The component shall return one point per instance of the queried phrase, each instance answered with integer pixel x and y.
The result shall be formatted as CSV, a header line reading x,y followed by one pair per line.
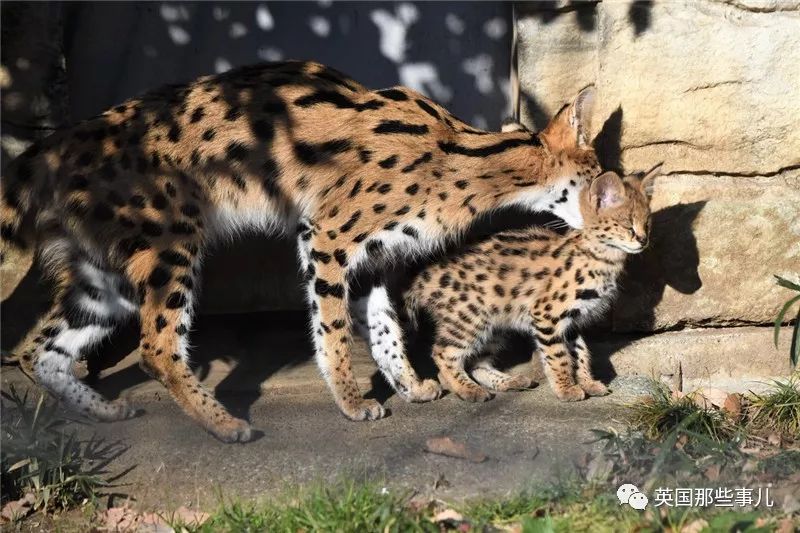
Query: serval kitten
x,y
536,281
122,206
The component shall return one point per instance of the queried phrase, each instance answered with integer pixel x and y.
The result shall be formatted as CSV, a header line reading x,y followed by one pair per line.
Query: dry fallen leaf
x,y
446,446
785,526
190,517
774,439
17,509
712,472
733,406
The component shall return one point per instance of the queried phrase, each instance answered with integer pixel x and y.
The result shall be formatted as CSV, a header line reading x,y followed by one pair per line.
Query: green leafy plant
x,y
794,349
777,410
42,458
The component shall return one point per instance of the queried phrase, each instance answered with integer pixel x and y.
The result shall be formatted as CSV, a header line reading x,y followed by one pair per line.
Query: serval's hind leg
x,y
89,302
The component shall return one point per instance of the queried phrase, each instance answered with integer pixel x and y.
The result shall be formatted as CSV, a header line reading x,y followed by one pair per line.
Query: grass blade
x,y
783,282
794,351
779,318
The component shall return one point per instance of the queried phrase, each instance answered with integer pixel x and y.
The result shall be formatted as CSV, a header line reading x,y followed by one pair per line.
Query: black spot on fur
x,y
102,212
161,323
340,256
159,277
182,228
171,257
425,106
175,300
236,151
347,226
151,228
389,162
315,154
197,115
263,130
393,94
424,158
399,127
160,201
174,134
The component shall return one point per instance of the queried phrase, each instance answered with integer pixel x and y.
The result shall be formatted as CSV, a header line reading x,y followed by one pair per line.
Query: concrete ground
x,y
261,368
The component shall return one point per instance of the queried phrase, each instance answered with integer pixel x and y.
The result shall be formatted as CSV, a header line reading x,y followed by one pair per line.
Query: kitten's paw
x,y
426,390
474,394
516,383
364,410
231,429
573,393
594,388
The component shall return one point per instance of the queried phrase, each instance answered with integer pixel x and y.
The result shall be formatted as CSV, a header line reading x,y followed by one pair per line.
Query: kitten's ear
x,y
510,125
607,191
571,127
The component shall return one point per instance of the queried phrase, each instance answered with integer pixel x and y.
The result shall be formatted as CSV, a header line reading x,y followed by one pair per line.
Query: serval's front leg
x,y
583,371
556,360
326,284
167,279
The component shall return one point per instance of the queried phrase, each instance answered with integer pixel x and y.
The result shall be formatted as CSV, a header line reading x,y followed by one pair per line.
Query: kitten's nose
x,y
643,241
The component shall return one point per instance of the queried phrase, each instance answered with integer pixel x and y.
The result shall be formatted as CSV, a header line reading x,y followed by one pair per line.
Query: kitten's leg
x,y
581,355
167,280
326,286
485,373
387,347
556,360
86,309
449,356
496,381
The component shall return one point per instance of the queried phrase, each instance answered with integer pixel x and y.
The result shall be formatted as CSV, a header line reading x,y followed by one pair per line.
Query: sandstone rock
x,y
704,86
716,242
711,89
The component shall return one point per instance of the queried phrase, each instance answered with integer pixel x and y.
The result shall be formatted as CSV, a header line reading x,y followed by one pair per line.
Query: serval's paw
x,y
594,388
423,391
572,393
230,429
104,411
364,409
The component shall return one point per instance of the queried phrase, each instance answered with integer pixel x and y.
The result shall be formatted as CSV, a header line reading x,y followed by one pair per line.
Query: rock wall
x,y
712,89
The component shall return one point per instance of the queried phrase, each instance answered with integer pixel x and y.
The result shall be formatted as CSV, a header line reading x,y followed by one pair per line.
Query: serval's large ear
x,y
571,127
645,181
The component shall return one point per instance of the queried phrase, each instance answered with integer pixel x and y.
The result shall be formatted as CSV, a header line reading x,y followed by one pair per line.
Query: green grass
x,y
661,414
345,506
349,506
777,410
42,457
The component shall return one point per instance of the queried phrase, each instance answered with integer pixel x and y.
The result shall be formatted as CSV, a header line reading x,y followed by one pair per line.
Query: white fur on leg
x,y
54,371
388,350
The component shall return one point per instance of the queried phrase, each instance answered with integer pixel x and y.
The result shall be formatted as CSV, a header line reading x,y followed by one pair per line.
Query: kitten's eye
x,y
632,232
